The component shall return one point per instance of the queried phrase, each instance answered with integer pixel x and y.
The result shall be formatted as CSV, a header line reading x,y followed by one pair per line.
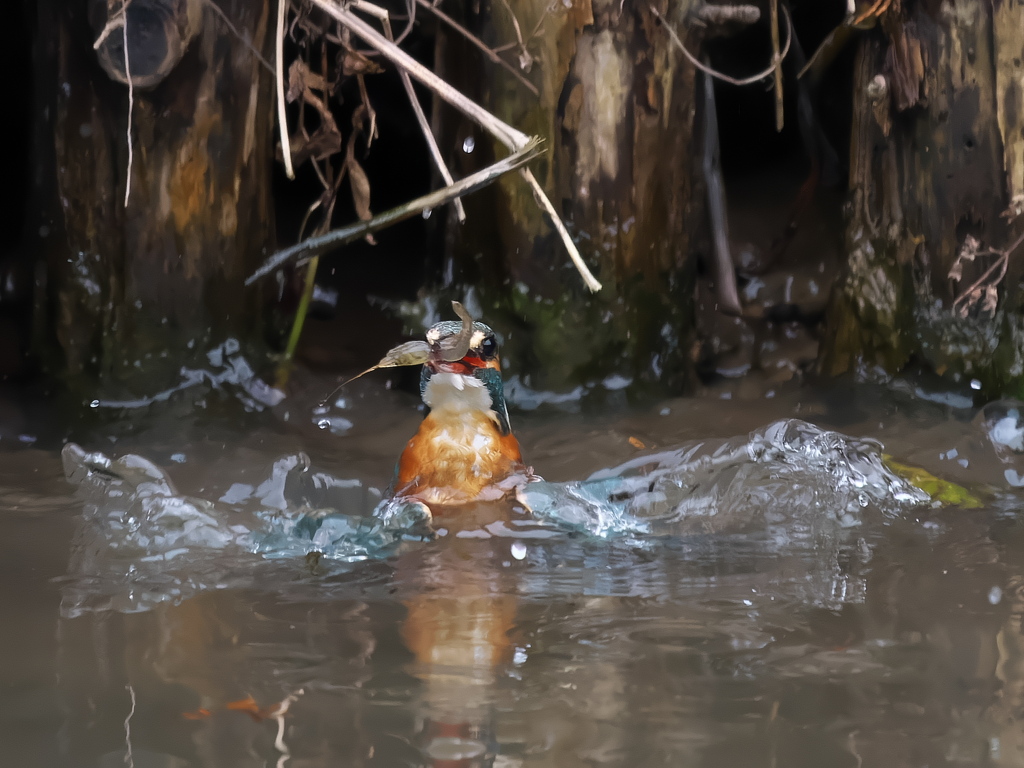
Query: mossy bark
x,y
616,107
937,155
133,291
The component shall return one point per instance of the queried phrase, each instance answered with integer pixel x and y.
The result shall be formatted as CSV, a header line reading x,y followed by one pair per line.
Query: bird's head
x,y
467,349
475,341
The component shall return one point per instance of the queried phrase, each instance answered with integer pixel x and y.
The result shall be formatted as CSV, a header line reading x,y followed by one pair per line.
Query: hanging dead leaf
x,y
301,78
990,300
357,178
352,62
968,253
360,184
325,142
1015,209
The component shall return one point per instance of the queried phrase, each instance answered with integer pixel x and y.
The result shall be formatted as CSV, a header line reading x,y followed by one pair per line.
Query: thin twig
x,y
282,118
417,108
131,105
777,63
113,22
309,283
714,72
487,50
315,246
505,133
877,9
435,151
410,21
1002,262
542,200
525,59
241,38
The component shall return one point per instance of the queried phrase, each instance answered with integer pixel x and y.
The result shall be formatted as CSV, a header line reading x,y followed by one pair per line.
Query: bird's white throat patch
x,y
454,393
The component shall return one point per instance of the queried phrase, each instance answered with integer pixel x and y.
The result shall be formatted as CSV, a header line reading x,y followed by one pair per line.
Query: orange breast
x,y
453,461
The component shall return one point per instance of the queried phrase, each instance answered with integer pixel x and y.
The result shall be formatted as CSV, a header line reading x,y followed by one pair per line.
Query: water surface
x,y
792,636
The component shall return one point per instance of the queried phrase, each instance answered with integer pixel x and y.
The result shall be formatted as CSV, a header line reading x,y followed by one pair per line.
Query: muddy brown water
x,y
902,647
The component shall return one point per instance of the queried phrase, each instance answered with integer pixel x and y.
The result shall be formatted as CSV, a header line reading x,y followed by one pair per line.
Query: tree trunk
x,y
616,107
937,158
135,291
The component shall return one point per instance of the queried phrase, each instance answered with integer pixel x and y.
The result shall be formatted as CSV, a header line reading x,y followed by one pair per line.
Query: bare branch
x,y
282,118
488,52
315,246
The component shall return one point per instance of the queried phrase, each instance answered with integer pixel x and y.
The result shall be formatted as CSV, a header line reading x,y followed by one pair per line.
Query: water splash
x,y
141,541
228,369
789,471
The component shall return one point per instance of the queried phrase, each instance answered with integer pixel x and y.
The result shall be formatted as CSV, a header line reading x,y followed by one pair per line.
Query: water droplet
x,y
995,595
426,213
94,404
518,550
468,145
324,423
975,384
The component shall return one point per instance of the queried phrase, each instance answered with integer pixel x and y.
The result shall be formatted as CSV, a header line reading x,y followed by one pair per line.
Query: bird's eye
x,y
488,348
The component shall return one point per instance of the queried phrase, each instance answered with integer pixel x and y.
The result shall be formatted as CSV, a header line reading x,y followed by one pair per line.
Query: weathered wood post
x,y
134,290
616,106
936,171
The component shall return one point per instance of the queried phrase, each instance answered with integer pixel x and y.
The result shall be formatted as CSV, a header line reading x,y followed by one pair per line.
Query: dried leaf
x,y
969,301
410,353
1015,209
637,443
325,142
301,78
352,62
360,184
990,300
968,252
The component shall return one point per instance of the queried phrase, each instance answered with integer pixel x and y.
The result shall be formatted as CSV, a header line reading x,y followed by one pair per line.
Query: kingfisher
x,y
464,450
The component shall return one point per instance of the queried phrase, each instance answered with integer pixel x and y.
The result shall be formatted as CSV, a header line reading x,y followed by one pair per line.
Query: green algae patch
x,y
939,489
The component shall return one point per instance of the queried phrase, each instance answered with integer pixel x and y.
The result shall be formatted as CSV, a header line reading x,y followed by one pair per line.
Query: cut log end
x,y
158,32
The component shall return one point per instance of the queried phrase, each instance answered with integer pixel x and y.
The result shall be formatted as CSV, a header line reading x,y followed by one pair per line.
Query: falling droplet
x,y
324,423
94,404
426,213
995,595
975,384
518,550
468,145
